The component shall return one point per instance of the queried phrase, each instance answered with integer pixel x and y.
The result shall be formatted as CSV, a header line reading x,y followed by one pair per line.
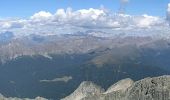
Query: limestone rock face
x,y
157,88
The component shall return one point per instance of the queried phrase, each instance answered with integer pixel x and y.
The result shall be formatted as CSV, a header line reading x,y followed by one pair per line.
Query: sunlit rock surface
x,y
157,88
85,89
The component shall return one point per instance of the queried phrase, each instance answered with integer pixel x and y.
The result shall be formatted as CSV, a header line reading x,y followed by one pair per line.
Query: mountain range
x,y
53,66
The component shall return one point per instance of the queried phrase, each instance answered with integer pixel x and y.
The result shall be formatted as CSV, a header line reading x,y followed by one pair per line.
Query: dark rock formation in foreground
x,y
157,88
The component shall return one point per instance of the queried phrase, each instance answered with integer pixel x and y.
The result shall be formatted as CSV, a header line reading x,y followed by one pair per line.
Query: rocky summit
x,y
156,88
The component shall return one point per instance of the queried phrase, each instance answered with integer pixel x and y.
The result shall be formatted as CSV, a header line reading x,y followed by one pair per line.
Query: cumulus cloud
x,y
99,18
42,15
147,21
85,18
68,21
80,17
10,24
6,25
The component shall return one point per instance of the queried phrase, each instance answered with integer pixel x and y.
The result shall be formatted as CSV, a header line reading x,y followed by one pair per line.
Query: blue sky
x,y
26,8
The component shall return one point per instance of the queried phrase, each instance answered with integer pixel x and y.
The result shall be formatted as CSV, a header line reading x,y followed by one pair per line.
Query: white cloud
x,y
147,21
42,15
79,14
10,24
169,7
168,13
91,13
68,21
89,18
61,13
6,25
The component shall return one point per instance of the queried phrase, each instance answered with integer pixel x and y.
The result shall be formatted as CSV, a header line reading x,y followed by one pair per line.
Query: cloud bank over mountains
x,y
66,21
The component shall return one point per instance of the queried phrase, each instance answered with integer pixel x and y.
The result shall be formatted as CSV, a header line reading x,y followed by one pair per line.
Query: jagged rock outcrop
x,y
157,88
115,92
120,86
86,89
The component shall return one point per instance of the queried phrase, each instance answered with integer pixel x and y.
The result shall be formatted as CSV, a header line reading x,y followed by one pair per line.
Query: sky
x,y
26,8
45,17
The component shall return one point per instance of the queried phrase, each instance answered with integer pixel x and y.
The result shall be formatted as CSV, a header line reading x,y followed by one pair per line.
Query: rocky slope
x,y
157,88
84,90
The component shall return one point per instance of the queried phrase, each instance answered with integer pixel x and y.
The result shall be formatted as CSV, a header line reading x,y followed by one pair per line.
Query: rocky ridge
x,y
156,88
